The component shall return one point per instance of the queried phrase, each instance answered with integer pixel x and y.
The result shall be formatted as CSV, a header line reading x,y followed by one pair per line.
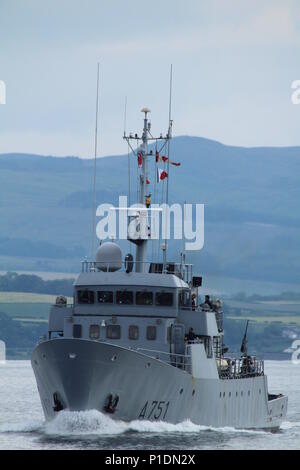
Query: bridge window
x,y
144,298
105,297
151,332
164,298
85,296
124,297
133,332
77,331
113,332
94,331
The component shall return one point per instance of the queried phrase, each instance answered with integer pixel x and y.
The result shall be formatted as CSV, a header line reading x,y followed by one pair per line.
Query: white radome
x,y
109,257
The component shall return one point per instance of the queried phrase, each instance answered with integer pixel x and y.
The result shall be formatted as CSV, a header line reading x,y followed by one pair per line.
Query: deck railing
x,y
182,270
230,368
182,361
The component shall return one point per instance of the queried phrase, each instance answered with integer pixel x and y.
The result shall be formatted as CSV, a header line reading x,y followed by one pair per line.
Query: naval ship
x,y
138,344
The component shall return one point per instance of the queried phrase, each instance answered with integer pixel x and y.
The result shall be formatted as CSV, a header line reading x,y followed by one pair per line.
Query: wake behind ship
x,y
137,343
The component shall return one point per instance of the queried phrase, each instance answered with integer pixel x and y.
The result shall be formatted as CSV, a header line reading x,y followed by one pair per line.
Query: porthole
x,y
181,391
114,358
220,394
193,393
282,406
148,365
260,391
248,393
236,394
223,394
229,394
241,394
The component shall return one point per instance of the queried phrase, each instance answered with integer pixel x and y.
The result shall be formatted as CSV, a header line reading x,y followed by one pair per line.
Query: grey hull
x,y
82,373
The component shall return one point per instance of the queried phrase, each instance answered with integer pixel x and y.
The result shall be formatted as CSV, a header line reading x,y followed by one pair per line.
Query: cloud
x,y
222,51
270,27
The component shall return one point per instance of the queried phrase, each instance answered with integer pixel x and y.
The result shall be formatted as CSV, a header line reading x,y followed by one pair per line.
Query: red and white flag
x,y
140,159
161,175
164,159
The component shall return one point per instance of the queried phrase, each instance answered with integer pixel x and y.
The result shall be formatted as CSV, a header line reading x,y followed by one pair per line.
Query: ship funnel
x,y
109,257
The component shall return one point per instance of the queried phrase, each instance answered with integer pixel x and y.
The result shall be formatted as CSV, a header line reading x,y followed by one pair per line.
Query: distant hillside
x,y
251,201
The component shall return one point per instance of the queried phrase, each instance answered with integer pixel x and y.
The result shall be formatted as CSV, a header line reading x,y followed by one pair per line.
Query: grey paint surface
x,y
84,372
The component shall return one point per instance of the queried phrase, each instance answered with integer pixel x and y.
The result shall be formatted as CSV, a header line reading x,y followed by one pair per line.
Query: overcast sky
x,y
234,62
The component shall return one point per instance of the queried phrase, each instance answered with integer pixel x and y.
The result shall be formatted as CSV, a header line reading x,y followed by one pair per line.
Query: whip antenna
x,y
95,166
169,136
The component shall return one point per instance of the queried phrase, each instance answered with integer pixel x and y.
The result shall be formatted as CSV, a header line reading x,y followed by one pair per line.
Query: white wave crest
x,y
84,422
93,422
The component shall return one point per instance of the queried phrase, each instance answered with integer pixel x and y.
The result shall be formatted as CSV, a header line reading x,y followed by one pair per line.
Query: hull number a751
x,y
154,410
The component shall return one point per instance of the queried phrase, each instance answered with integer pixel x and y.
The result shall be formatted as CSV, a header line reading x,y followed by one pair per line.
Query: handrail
x,y
184,270
230,368
181,361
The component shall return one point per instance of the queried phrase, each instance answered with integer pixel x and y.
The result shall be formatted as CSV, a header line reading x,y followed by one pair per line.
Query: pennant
x,y
161,175
147,181
140,159
164,159
156,156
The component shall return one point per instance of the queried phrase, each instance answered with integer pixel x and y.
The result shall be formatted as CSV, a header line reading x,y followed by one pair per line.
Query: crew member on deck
x,y
191,335
148,200
207,305
194,302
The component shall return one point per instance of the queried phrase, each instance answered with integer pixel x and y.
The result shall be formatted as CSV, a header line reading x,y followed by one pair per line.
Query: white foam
x,y
83,422
93,422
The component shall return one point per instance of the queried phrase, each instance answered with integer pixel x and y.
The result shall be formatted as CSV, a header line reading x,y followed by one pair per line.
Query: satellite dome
x,y
109,257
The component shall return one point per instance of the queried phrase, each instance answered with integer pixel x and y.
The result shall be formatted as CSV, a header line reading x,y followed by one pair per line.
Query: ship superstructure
x,y
137,343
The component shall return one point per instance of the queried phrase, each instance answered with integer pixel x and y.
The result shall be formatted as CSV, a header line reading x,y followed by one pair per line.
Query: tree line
x,y
14,282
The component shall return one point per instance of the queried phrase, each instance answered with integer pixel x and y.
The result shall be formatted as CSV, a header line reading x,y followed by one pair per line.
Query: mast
x,y
144,150
141,213
141,247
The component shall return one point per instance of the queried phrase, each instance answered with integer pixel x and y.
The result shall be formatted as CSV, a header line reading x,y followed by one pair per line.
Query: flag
x,y
147,181
156,156
140,159
161,175
164,159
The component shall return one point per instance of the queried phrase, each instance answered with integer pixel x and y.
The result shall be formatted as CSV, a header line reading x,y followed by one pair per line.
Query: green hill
x,y
251,196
